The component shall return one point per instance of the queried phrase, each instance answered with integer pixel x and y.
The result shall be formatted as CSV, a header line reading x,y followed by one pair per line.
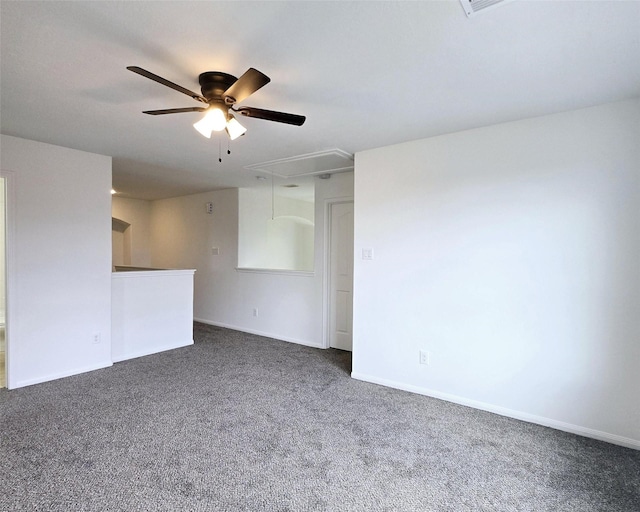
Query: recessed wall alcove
x,y
120,242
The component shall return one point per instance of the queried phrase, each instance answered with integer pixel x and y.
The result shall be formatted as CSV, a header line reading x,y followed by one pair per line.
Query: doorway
x,y
340,275
3,286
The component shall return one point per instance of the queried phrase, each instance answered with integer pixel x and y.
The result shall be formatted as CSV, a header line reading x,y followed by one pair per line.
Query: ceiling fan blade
x,y
163,81
246,85
272,115
174,110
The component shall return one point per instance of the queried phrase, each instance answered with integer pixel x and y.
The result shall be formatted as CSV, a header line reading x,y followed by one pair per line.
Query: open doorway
x,y
3,287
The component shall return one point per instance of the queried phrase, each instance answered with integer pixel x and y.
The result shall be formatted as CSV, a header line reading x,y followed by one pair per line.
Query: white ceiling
x,y
366,74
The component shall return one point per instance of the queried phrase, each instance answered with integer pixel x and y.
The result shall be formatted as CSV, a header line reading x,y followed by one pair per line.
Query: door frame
x,y
9,237
326,281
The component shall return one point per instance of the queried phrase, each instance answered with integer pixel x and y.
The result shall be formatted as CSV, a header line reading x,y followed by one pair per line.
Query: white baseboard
x,y
502,411
148,352
56,376
260,333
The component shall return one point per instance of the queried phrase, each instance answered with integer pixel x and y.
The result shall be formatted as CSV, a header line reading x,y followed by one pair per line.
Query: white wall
x,y
510,253
150,312
137,213
289,304
59,278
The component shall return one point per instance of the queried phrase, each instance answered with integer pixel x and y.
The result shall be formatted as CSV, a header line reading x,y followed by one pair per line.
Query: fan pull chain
x,y
220,149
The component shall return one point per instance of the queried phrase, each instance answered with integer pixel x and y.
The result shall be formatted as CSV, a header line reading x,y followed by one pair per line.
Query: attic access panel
x,y
321,162
473,7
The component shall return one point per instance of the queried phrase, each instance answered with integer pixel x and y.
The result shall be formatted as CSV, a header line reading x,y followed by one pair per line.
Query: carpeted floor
x,y
238,422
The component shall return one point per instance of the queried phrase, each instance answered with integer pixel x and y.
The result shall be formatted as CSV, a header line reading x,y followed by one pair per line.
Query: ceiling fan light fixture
x,y
234,128
213,121
221,91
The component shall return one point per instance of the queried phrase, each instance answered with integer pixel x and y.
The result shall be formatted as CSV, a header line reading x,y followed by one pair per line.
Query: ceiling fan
x,y
221,92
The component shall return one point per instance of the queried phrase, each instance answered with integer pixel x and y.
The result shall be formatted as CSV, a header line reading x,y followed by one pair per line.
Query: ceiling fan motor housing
x,y
213,84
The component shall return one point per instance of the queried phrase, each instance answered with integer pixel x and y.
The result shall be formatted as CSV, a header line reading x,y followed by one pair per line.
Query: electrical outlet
x,y
96,338
425,357
255,312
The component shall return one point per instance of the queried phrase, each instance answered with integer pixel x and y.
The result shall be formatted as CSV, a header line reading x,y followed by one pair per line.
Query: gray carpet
x,y
239,422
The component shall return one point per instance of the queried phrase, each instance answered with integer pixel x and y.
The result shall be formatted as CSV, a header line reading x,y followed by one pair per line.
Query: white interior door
x,y
341,276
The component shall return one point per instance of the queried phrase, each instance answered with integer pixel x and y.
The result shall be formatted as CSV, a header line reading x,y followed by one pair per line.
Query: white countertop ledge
x,y
124,274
